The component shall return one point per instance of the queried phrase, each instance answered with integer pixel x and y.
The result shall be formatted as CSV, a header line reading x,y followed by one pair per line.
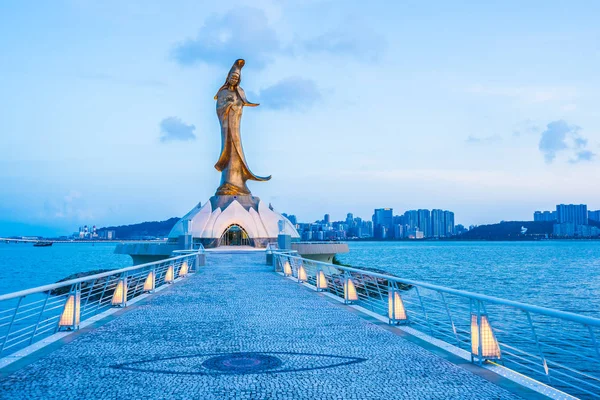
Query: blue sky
x,y
107,113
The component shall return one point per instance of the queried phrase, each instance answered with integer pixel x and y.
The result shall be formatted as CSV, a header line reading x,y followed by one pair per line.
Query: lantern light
x,y
350,294
396,310
169,275
120,295
70,315
150,282
287,268
321,281
301,274
483,338
183,271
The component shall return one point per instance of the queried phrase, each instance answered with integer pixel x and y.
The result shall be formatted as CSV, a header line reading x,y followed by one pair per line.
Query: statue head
x,y
235,73
233,79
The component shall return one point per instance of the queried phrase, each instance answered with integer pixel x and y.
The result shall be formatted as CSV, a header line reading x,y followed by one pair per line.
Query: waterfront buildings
x,y
384,225
571,220
383,219
573,213
544,216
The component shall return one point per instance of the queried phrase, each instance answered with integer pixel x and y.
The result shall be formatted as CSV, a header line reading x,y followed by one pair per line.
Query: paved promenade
x,y
236,330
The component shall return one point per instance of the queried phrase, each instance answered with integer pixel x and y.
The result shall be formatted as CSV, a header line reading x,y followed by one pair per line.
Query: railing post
x,y
12,320
40,317
539,348
424,311
450,318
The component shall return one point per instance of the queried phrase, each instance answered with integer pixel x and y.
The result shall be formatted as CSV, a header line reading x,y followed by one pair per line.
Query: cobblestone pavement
x,y
236,330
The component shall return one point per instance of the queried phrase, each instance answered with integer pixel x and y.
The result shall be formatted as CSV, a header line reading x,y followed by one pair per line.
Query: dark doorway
x,y
235,235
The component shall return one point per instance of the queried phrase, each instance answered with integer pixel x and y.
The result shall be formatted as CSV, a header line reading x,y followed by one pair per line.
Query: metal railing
x,y
556,348
31,315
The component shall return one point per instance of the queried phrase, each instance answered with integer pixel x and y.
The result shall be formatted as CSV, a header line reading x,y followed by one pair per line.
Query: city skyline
x,y
488,110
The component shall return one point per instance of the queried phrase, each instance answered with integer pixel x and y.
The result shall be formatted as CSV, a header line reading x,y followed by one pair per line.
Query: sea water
x,y
23,266
563,275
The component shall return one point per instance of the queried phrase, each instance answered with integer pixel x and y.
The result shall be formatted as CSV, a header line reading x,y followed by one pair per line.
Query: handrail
x,y
45,288
30,315
558,347
582,319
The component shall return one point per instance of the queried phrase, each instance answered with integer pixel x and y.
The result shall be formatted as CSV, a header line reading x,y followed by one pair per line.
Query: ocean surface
x,y
23,266
563,275
558,274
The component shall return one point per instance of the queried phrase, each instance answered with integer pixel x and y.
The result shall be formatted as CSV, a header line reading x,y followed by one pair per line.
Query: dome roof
x,y
250,213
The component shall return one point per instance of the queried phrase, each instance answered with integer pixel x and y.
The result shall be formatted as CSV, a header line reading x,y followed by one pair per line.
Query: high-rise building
x,y
411,220
594,215
575,213
369,228
398,231
438,225
326,219
449,224
425,222
383,223
544,216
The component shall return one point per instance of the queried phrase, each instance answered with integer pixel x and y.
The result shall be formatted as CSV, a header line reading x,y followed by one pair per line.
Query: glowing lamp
x,y
321,281
396,310
169,277
183,271
70,315
287,268
484,345
149,283
120,295
350,294
301,274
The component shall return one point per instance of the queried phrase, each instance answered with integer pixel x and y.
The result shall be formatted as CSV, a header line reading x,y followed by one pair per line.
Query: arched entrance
x,y
235,235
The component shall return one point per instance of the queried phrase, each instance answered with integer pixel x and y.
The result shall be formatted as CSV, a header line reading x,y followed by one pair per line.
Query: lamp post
x,y
484,345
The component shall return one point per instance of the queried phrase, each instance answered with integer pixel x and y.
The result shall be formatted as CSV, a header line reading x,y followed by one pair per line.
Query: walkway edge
x,y
506,378
27,352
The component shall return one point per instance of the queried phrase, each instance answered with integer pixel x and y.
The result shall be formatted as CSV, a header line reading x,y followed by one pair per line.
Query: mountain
x,y
509,230
144,230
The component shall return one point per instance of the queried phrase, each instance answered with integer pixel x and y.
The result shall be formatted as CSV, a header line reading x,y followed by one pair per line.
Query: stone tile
x,y
236,304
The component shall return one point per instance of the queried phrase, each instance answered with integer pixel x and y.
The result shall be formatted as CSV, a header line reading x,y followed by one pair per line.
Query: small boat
x,y
42,243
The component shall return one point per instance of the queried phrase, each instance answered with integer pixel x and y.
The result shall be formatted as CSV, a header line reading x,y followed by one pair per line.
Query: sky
x,y
107,114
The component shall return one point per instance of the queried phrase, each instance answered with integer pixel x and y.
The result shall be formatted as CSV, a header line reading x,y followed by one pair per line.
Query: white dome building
x,y
233,220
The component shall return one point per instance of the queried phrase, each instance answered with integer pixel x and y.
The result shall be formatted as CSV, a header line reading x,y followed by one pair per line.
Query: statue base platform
x,y
233,220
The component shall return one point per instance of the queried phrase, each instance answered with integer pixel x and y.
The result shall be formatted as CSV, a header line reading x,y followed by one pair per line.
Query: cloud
x,y
293,93
483,140
243,32
360,44
526,127
173,128
71,207
584,155
558,137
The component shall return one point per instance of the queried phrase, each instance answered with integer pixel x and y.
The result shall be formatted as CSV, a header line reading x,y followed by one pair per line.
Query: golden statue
x,y
231,100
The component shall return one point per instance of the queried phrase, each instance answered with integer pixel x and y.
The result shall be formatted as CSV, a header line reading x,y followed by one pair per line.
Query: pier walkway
x,y
237,330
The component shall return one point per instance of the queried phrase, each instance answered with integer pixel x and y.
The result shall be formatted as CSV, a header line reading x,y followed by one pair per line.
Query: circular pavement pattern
x,y
242,363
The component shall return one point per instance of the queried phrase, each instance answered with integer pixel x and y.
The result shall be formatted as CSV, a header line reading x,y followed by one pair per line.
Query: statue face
x,y
234,79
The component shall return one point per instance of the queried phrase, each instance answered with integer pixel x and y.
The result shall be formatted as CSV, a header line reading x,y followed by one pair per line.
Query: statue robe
x,y
232,162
